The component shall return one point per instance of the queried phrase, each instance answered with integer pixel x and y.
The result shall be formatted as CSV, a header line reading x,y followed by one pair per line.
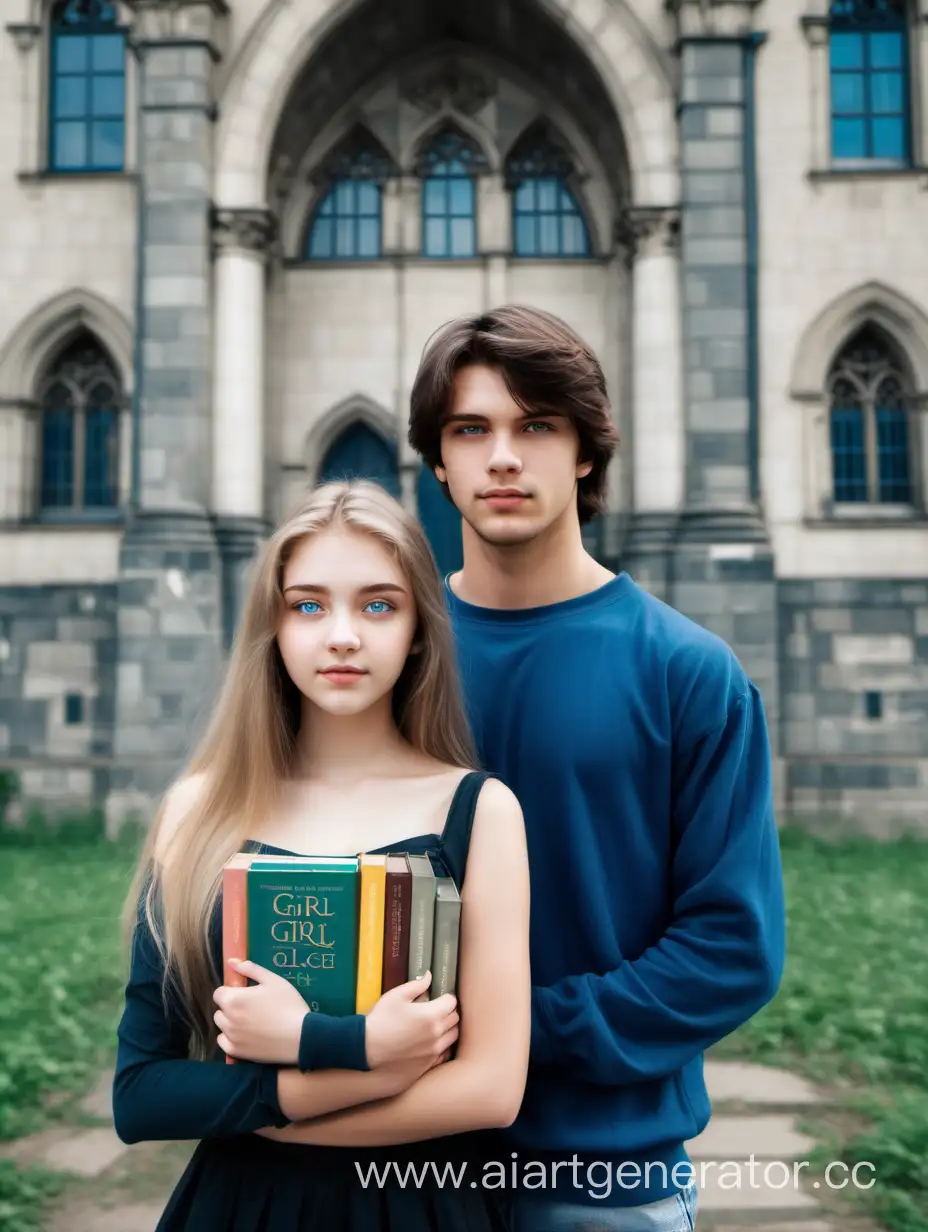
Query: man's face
x,y
511,475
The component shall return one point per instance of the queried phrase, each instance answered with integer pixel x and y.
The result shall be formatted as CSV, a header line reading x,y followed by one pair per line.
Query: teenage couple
x,y
625,776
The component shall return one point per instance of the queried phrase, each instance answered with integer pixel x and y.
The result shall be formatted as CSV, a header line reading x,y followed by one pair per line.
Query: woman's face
x,y
347,621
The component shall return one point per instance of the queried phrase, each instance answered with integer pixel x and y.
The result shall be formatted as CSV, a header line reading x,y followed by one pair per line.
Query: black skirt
x,y
253,1184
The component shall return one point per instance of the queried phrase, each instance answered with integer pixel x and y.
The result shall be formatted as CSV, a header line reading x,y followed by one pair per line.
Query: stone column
x,y
242,242
724,573
658,439
169,602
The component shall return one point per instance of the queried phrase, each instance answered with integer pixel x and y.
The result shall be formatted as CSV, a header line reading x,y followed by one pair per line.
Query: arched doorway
x,y
441,522
359,452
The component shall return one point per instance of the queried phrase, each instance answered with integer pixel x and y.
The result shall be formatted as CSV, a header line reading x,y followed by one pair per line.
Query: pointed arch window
x,y
87,82
870,81
80,401
546,217
347,224
449,165
871,423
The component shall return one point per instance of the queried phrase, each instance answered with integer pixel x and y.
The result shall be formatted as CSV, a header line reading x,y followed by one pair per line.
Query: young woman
x,y
339,730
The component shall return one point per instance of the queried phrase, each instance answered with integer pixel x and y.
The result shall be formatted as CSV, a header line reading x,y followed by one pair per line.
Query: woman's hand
x,y
261,1023
401,1029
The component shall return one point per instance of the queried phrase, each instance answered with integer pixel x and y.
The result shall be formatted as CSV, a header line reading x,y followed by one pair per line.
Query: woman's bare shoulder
x,y
179,799
496,800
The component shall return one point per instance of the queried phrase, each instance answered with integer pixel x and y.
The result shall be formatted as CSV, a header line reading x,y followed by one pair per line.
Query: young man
x,y
639,751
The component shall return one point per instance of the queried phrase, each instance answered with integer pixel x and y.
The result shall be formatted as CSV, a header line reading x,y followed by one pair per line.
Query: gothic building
x,y
230,226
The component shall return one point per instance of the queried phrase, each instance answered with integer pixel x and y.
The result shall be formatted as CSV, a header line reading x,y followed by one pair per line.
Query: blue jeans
x,y
674,1214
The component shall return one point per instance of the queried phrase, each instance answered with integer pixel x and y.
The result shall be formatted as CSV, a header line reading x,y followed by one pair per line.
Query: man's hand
x,y
401,1029
261,1023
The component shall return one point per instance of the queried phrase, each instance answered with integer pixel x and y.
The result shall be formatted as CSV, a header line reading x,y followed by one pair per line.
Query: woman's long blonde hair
x,y
247,751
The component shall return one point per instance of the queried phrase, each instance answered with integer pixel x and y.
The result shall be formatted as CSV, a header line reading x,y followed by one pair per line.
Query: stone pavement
x,y
745,1162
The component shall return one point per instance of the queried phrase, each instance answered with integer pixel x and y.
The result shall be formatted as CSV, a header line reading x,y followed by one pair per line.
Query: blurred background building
x,y
229,229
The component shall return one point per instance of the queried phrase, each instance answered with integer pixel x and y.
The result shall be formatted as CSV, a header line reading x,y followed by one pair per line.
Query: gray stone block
x,y
732,251
882,622
712,60
722,415
728,323
707,188
715,155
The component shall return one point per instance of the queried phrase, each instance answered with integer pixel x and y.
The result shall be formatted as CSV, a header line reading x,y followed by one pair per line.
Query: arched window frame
x,y
73,383
448,164
351,188
540,160
98,85
871,417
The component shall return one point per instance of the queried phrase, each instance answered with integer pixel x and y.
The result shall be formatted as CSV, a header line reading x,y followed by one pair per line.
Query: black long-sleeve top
x,y
160,1093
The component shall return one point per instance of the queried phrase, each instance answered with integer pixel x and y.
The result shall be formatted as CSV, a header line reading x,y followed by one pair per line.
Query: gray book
x,y
445,944
421,916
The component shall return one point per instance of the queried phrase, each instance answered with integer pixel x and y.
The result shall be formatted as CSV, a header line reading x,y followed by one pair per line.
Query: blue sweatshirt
x,y
639,752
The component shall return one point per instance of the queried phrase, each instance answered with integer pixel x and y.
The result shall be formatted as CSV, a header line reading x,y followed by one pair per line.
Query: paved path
x,y
749,1162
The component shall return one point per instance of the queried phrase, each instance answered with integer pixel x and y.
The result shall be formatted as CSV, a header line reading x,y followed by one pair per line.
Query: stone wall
x,y
854,698
57,691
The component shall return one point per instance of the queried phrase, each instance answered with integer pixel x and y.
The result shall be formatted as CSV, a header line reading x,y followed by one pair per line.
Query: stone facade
x,y
729,262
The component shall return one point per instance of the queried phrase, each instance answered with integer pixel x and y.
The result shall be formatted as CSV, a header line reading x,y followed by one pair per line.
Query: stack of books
x,y
342,930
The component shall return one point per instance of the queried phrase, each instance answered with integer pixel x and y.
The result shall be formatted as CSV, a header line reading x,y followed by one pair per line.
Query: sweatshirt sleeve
x,y
721,956
158,1092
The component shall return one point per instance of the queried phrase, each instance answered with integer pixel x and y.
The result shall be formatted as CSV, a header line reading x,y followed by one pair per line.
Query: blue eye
x,y
536,423
308,603
381,606
467,429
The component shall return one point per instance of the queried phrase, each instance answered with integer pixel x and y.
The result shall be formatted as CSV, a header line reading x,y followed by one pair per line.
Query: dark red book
x,y
397,909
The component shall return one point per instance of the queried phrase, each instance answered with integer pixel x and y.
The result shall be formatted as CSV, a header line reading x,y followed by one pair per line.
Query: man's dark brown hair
x,y
548,370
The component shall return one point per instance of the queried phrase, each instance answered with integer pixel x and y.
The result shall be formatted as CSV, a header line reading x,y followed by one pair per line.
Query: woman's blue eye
x,y
468,429
537,423
308,603
379,606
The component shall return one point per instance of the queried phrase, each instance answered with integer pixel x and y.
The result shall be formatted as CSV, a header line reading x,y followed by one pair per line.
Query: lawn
x,y
62,974
852,1010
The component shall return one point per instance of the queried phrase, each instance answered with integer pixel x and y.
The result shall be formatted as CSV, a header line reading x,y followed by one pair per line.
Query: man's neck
x,y
550,569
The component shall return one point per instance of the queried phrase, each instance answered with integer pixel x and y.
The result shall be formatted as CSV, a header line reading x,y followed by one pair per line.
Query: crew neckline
x,y
616,589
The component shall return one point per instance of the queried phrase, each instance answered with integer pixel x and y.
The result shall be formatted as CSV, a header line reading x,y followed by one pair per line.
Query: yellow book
x,y
370,931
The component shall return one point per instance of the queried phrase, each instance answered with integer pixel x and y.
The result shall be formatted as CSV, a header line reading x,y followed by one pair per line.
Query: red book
x,y
235,921
397,905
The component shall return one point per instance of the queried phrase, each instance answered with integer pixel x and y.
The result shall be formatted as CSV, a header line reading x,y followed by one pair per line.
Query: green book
x,y
446,934
303,924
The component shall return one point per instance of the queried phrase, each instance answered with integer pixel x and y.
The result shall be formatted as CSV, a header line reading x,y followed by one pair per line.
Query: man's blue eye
x,y
379,606
307,603
467,429
539,424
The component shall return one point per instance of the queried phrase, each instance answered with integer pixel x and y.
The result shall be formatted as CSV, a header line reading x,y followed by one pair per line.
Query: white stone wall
x,y
819,240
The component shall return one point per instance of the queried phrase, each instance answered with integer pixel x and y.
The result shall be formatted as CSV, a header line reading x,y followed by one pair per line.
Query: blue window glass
x,y
871,423
87,106
869,80
80,430
546,220
848,453
449,198
58,448
347,223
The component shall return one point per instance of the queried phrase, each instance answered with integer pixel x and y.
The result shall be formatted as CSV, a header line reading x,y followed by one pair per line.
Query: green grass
x,y
62,974
852,1010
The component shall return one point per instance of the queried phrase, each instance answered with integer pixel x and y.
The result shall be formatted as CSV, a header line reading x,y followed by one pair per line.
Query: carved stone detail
x,y
648,230
248,230
24,34
449,83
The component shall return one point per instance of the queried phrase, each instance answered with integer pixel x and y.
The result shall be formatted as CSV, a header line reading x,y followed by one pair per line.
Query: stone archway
x,y
619,58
